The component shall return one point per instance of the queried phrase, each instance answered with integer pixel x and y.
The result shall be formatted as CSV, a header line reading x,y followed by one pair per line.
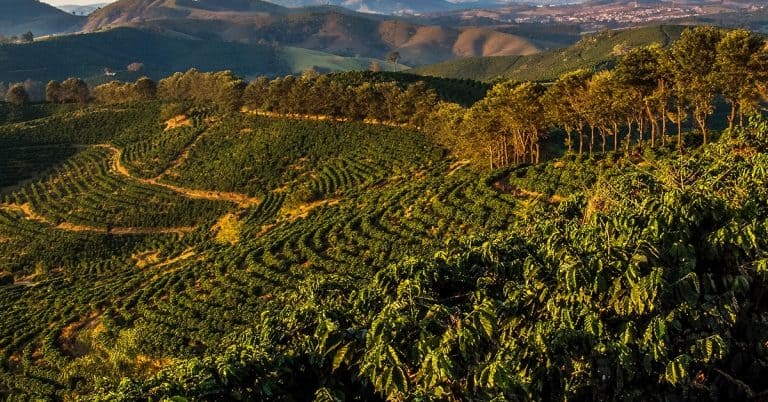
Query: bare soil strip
x,y
30,214
241,200
321,117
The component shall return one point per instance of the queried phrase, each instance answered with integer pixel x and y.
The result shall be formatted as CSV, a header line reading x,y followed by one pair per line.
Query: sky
x,y
74,2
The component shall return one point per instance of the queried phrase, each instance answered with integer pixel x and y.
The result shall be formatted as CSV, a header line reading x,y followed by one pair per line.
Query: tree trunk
x,y
602,135
591,139
732,116
664,108
652,120
741,114
679,118
581,141
701,118
538,152
615,137
490,157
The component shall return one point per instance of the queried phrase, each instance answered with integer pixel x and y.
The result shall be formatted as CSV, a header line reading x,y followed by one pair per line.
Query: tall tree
x,y
255,93
563,103
53,92
643,70
608,106
146,89
75,90
739,70
17,95
694,60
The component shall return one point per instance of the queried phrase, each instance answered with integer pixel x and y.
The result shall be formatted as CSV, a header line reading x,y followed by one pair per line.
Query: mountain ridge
x,y
20,16
324,28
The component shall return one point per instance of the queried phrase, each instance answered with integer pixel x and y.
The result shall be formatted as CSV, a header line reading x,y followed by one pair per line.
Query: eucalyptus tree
x,y
609,106
644,71
564,105
741,65
694,62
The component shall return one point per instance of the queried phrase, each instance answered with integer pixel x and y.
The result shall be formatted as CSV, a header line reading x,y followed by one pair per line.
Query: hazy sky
x,y
79,2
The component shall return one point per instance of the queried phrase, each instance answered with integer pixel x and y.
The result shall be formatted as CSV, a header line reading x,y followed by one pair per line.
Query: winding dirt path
x,y
29,213
242,200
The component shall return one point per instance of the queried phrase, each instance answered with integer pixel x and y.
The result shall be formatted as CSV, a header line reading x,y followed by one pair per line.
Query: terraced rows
x,y
78,295
85,192
152,157
23,163
354,238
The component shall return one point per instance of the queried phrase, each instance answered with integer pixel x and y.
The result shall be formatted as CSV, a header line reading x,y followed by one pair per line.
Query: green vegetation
x,y
161,55
299,59
593,52
308,238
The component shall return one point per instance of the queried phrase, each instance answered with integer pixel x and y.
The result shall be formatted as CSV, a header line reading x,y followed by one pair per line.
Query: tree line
x,y
650,90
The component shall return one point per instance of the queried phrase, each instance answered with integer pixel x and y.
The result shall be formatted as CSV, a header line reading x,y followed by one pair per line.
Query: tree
x,y
54,92
27,37
75,90
17,95
607,108
393,57
255,93
694,58
739,69
643,70
418,102
146,89
222,88
563,103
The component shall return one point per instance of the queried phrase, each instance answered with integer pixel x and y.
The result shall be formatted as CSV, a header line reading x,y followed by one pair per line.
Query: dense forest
x,y
380,236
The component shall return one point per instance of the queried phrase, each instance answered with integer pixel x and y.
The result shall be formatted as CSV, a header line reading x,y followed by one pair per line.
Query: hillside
x,y
126,12
326,29
19,16
87,55
384,236
298,254
594,51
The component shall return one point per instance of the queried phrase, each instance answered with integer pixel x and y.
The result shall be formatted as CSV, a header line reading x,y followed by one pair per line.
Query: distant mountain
x,y
19,16
591,52
87,55
83,10
328,29
127,12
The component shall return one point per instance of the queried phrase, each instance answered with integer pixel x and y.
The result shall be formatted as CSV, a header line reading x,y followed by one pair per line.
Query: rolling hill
x,y
377,6
327,29
19,16
592,51
87,55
